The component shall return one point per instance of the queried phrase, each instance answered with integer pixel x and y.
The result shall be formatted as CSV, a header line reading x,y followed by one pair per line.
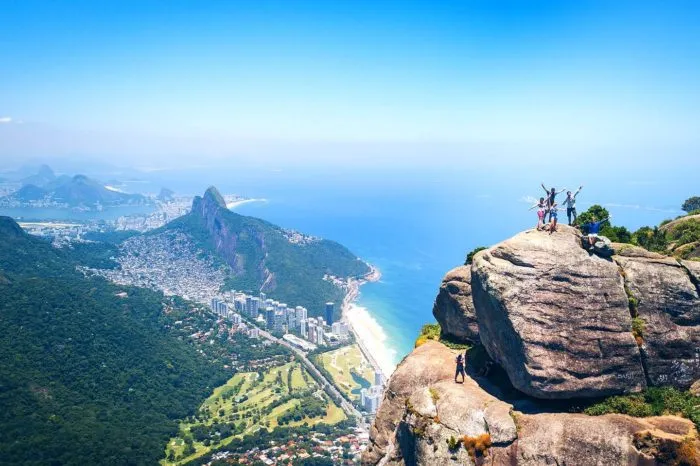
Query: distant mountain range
x,y
70,191
290,267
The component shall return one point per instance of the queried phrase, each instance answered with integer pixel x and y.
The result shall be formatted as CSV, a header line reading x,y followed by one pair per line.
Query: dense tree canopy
x,y
691,204
90,374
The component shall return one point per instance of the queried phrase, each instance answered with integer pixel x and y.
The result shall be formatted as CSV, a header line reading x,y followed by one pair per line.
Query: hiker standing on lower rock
x,y
460,367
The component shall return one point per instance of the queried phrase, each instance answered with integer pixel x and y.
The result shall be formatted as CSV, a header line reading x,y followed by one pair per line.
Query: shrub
x,y
655,401
477,446
434,394
686,232
651,239
638,325
452,443
420,341
471,255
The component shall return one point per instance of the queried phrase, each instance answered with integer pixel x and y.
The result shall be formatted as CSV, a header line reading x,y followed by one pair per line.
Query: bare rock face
x,y
555,317
428,419
454,308
668,303
216,219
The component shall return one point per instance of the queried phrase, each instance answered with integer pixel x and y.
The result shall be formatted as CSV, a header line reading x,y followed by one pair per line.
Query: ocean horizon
x,y
413,225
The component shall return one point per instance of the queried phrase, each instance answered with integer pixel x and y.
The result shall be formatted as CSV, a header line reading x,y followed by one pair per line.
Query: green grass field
x,y
247,403
349,369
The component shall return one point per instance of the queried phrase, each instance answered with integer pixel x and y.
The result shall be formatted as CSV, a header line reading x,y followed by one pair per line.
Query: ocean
x,y
415,225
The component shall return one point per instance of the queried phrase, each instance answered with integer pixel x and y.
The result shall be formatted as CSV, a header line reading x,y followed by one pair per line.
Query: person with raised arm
x,y
541,207
551,198
570,203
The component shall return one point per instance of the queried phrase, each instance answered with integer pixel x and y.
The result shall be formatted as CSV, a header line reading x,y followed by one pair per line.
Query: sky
x,y
300,82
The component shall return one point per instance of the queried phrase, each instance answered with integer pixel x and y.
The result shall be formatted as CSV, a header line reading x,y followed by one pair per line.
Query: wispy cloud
x,y
641,207
5,119
529,199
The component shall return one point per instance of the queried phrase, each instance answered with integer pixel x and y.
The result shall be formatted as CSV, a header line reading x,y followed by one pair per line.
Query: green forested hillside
x,y
88,375
251,245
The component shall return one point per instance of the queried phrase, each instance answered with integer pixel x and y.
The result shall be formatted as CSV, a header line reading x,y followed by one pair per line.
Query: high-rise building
x,y
291,320
254,307
303,328
301,313
270,317
249,305
329,313
254,332
263,296
311,323
280,321
319,336
378,379
235,319
370,398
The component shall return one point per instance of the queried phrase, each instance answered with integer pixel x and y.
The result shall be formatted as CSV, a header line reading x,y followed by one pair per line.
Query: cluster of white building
x,y
280,318
370,397
222,309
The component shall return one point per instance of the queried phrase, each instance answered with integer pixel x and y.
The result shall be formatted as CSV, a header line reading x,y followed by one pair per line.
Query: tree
x,y
691,204
595,213
617,234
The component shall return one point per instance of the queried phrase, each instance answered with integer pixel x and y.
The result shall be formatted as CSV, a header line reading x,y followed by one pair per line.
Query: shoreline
x,y
369,336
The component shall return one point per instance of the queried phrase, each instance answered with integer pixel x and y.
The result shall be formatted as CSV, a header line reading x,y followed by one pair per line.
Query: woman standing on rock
x,y
541,208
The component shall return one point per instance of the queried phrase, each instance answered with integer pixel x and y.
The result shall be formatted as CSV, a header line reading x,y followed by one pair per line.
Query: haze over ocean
x,y
416,224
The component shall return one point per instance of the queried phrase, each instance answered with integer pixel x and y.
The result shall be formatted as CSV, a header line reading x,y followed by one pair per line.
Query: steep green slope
x,y
87,376
262,256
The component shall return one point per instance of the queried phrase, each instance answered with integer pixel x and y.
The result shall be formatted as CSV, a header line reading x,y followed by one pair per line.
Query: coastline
x,y
370,337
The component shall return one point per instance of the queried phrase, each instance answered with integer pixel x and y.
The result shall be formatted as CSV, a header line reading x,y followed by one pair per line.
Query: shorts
x,y
540,214
460,370
553,214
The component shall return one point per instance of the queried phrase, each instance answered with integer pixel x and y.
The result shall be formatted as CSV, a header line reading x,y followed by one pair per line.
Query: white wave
x,y
232,205
373,337
112,188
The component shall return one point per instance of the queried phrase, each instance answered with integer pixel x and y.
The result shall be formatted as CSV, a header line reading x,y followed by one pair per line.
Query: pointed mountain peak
x,y
213,195
46,171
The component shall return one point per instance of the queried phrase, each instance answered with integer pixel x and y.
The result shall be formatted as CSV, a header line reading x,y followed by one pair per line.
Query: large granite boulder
x,y
454,308
556,317
668,302
426,418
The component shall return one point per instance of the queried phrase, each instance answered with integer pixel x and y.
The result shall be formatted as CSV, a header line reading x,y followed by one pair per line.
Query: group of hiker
x,y
548,206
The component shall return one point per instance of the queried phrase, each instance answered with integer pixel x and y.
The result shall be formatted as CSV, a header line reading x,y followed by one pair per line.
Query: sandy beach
x,y
369,335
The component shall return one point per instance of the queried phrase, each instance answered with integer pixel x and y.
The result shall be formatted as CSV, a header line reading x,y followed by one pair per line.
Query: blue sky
x,y
302,80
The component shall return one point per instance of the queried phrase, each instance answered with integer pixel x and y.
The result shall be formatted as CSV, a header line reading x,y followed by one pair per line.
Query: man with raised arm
x,y
570,203
551,198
